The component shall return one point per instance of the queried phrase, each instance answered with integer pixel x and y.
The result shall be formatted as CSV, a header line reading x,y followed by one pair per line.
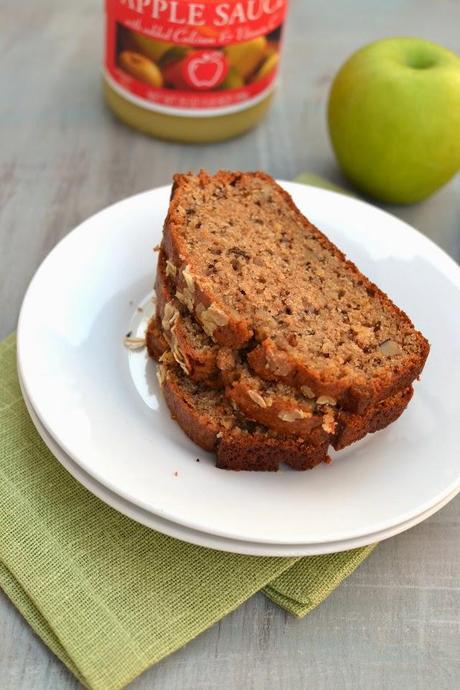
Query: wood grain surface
x,y
396,622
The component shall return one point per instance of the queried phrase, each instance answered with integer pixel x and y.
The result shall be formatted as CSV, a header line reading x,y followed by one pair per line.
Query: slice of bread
x,y
291,412
282,408
209,420
255,273
339,429
279,407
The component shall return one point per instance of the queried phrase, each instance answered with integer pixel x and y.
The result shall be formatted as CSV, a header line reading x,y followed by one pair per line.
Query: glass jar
x,y
192,71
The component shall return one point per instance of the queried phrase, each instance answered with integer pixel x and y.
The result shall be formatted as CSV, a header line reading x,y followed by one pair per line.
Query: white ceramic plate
x,y
209,540
77,375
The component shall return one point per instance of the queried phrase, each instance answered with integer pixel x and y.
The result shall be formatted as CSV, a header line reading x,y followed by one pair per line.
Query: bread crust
x,y
297,374
265,452
282,413
285,413
267,359
154,339
234,449
352,427
269,454
200,363
237,331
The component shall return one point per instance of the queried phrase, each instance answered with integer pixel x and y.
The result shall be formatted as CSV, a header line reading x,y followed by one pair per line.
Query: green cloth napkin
x,y
108,596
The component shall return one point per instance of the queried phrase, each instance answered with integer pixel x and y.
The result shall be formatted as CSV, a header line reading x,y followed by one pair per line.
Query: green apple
x,y
394,118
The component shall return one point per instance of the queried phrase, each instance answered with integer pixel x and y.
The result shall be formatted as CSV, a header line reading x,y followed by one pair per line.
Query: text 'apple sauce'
x,y
196,72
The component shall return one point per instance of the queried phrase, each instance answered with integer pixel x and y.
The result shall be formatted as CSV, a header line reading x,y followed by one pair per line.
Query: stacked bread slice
x,y
272,346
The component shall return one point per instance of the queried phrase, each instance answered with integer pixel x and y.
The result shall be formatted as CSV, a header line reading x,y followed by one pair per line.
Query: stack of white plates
x,y
99,409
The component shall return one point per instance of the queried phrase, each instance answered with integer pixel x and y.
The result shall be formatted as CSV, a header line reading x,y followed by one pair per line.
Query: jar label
x,y
193,58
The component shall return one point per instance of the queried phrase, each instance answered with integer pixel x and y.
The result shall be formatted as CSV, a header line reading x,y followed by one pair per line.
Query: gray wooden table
x,y
395,622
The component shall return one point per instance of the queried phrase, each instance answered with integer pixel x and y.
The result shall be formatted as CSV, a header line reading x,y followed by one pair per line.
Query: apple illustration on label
x,y
205,69
394,118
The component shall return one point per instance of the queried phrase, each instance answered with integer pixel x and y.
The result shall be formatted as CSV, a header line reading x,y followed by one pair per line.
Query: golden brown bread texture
x,y
200,410
289,414
275,405
209,420
194,351
255,273
287,410
227,297
352,427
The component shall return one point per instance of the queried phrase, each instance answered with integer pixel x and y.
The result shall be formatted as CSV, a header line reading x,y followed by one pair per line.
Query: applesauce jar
x,y
192,71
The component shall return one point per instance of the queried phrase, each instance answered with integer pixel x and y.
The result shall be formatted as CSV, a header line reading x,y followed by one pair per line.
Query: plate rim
x,y
443,262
